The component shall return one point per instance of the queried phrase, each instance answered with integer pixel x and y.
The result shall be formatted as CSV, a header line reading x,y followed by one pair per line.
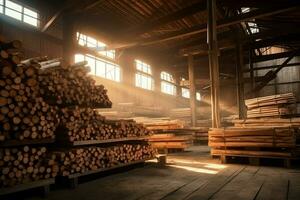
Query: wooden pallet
x,y
43,184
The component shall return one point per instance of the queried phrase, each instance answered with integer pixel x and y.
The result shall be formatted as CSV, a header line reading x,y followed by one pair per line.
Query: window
x,y
101,67
253,27
90,42
167,83
19,12
186,94
143,78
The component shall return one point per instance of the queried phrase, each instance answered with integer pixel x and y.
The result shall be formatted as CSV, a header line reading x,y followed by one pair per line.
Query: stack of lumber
x,y
28,123
159,123
23,114
264,142
79,124
201,135
267,122
170,141
270,106
25,165
86,159
66,85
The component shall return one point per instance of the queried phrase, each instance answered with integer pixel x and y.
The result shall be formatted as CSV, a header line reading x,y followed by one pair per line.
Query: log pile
x,y
264,142
65,85
86,124
24,165
86,159
23,114
270,106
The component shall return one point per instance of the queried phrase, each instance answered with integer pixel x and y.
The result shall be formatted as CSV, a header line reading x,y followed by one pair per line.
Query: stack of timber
x,y
66,85
279,142
201,135
168,141
23,165
163,123
267,122
271,106
28,123
88,159
80,124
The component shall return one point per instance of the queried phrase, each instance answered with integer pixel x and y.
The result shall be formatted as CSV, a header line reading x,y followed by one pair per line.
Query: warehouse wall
x,y
287,74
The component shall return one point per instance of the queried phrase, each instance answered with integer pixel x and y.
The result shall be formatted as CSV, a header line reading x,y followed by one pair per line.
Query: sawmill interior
x,y
150,99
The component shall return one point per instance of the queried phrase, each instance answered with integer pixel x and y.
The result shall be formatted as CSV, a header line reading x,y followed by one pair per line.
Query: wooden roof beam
x,y
259,13
152,24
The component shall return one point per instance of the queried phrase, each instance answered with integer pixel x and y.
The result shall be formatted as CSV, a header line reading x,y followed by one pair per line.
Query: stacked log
x,y
86,124
86,159
70,85
270,106
23,114
24,165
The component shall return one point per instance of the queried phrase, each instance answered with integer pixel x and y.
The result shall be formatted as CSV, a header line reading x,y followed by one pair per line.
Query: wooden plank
x,y
294,185
93,142
231,190
76,175
274,188
216,184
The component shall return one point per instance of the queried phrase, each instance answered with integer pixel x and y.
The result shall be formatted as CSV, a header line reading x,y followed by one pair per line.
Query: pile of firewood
x,y
23,113
27,164
86,124
81,160
68,85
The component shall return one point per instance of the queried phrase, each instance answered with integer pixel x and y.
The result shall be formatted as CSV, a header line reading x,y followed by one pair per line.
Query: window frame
x,y
167,80
96,60
22,13
143,72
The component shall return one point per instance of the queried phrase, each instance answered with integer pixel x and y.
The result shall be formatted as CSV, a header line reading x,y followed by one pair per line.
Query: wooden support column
x,y
239,82
193,105
252,83
213,62
69,38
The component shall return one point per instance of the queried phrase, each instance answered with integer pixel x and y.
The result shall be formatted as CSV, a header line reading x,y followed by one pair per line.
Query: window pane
x,y
91,63
79,58
13,14
1,9
14,6
198,96
30,20
1,2
30,13
100,68
185,92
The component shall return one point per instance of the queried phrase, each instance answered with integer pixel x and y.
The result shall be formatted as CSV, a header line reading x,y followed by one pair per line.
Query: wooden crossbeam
x,y
152,24
256,14
270,75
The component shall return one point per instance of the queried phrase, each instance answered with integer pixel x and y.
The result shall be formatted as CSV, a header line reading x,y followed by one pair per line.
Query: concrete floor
x,y
189,175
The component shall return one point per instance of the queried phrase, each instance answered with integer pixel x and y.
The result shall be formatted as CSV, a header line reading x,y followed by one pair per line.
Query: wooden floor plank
x,y
274,188
294,186
230,190
215,184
